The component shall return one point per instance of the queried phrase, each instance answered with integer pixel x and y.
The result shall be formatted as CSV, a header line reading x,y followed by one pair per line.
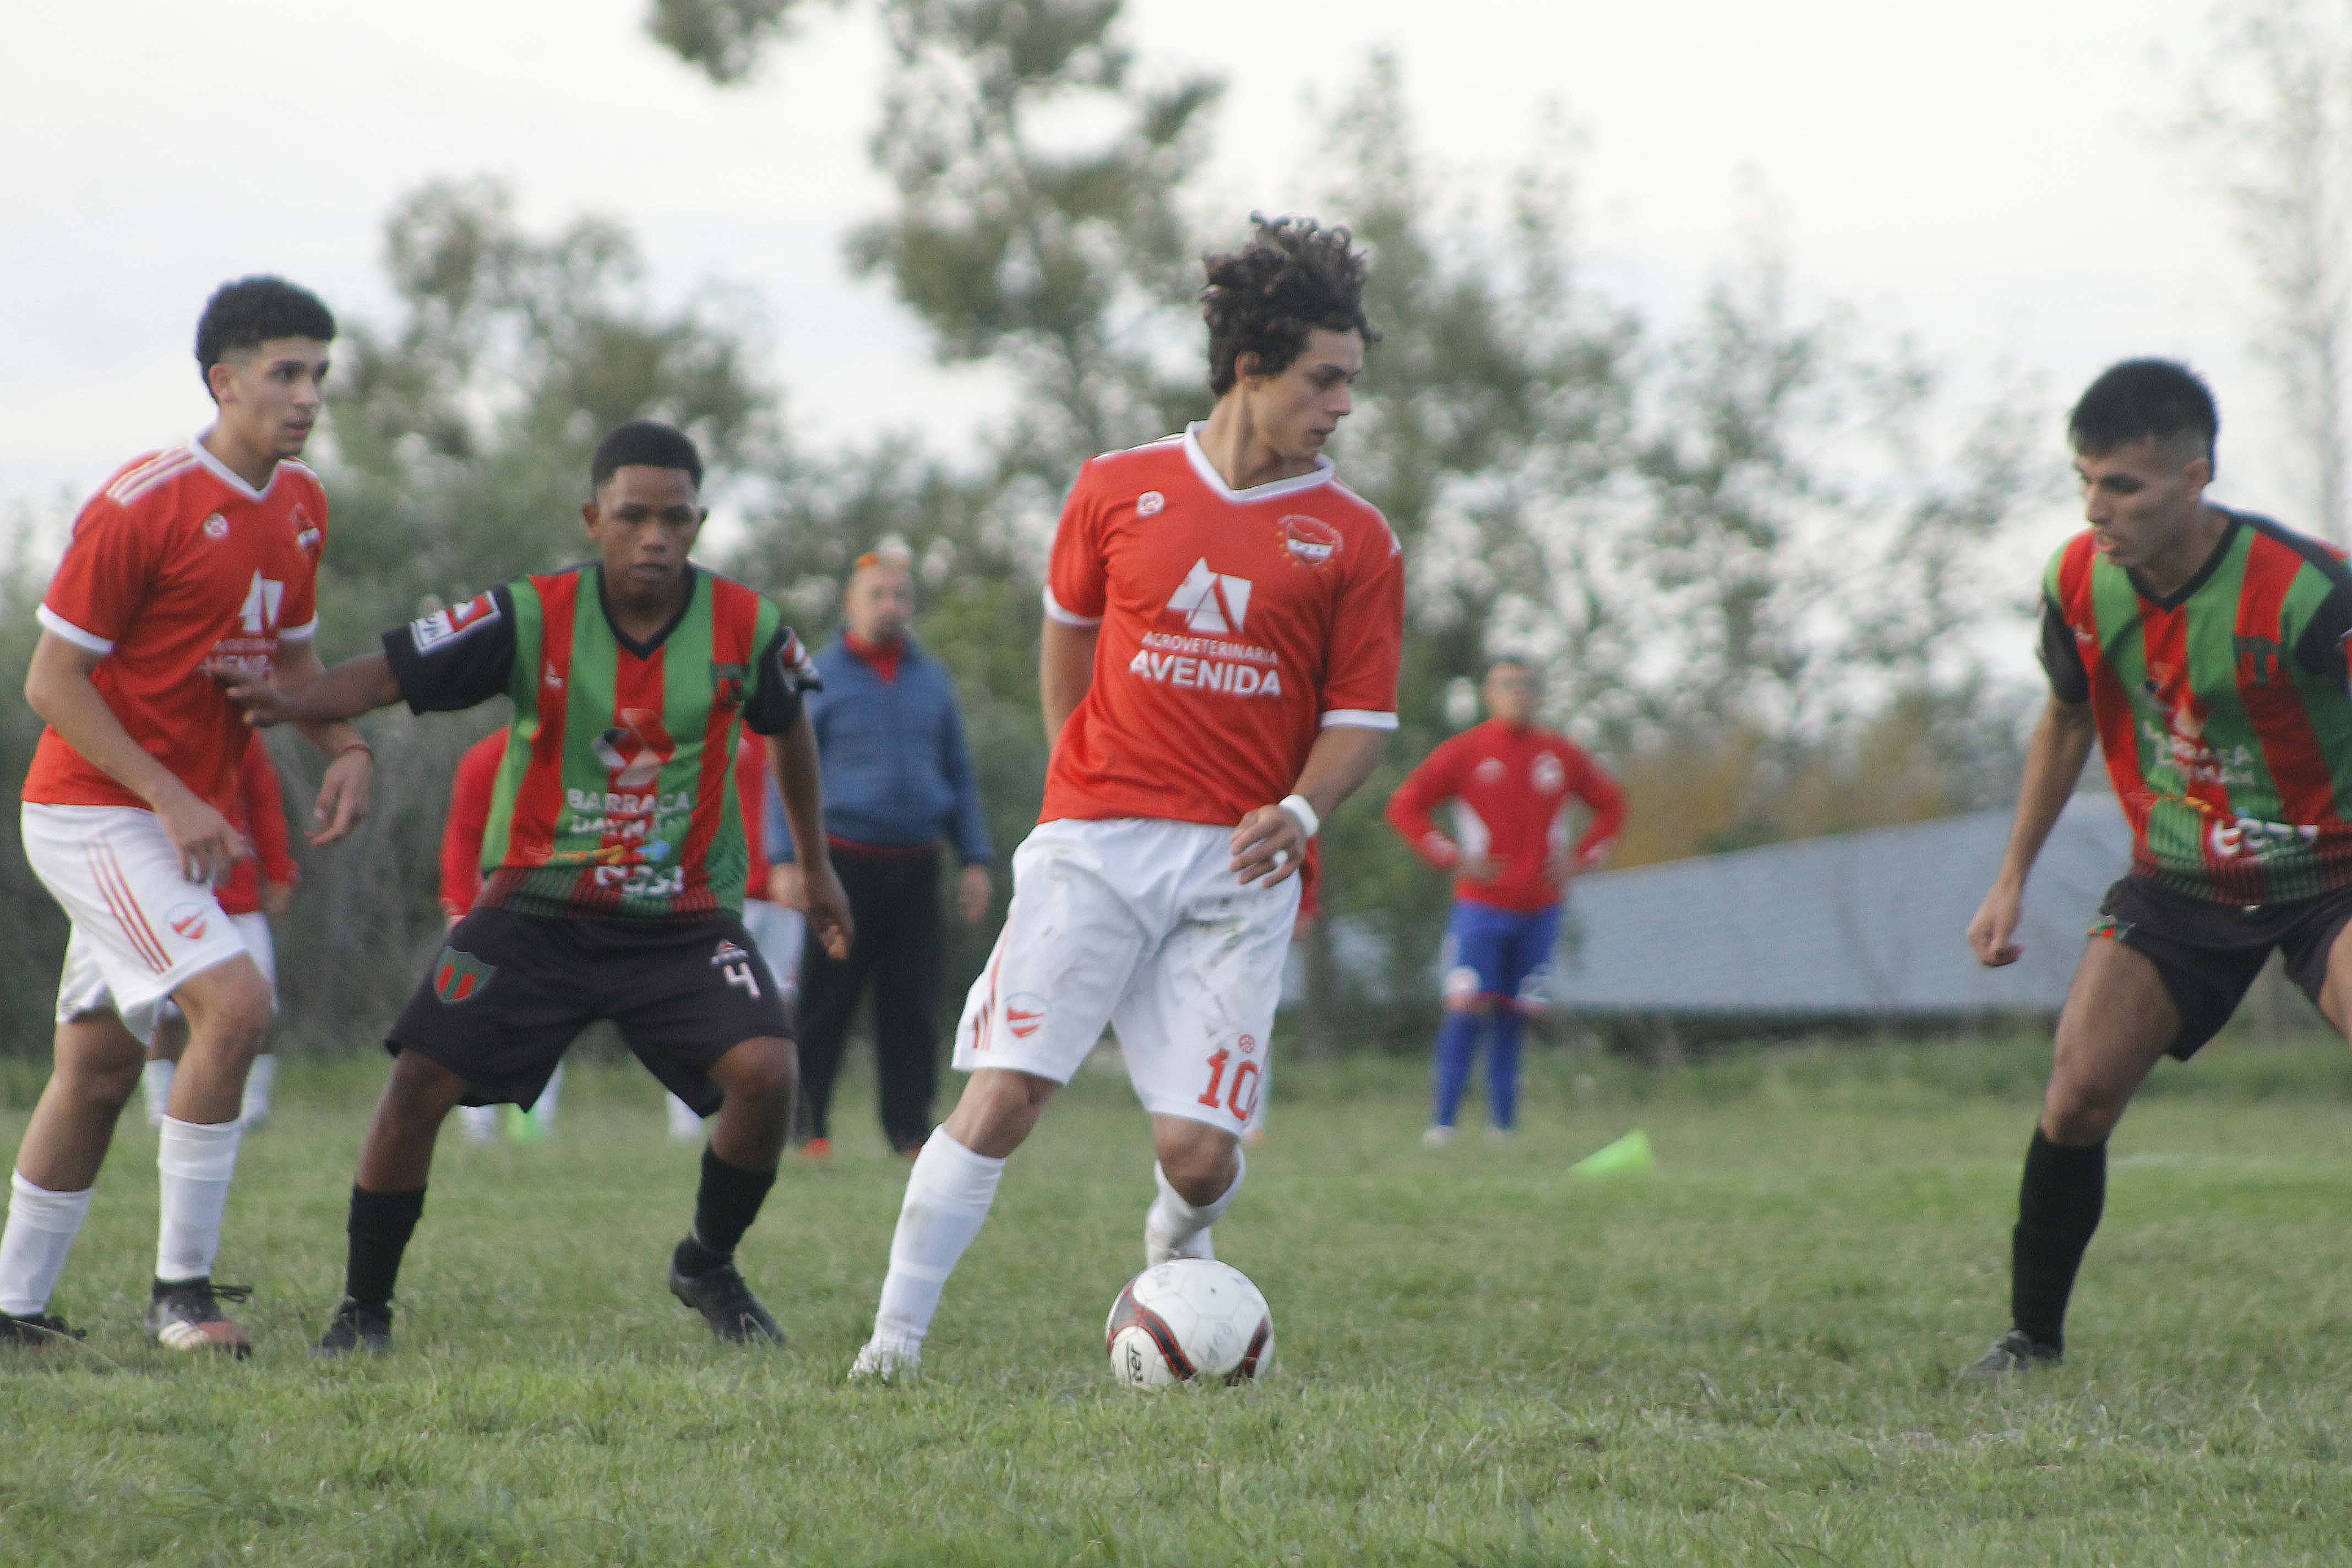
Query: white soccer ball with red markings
x,y
1186,1320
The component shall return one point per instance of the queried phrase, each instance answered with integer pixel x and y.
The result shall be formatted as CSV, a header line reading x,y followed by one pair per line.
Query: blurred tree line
x,y
1755,552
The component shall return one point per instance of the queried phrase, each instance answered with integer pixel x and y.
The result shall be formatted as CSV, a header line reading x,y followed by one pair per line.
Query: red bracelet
x,y
356,746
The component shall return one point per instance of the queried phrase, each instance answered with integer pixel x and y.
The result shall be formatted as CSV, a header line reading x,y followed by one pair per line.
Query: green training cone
x,y
1631,1153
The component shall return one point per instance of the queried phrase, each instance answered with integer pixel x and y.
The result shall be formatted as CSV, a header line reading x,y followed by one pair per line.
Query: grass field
x,y
1741,1357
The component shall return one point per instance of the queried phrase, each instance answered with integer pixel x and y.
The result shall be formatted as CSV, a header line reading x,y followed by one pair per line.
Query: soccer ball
x,y
1189,1318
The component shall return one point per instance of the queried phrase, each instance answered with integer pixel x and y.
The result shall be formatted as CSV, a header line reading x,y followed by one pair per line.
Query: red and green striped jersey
x,y
615,797
2224,709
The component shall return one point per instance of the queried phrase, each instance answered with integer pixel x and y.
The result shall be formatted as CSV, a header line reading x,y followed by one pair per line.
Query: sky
x,y
1996,179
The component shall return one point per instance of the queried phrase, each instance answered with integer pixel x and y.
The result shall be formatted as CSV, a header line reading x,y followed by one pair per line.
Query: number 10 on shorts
x,y
1238,1095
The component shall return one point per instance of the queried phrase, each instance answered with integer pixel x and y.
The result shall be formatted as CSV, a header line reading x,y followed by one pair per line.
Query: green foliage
x,y
28,959
724,39
1739,1358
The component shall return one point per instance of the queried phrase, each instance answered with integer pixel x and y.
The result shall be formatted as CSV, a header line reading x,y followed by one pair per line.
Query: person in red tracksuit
x,y
1512,785
259,889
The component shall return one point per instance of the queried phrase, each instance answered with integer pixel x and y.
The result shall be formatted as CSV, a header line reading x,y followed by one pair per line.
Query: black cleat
x,y
2014,1354
357,1327
185,1315
34,1330
727,1304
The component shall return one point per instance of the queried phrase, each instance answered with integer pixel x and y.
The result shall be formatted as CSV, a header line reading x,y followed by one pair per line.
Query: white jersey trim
x,y
229,475
89,642
1054,612
302,632
1207,473
1359,719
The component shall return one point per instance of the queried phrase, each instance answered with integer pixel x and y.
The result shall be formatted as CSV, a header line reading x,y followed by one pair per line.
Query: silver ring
x,y
1281,858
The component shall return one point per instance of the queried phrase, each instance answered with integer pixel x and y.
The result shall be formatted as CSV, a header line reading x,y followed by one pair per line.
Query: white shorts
x,y
777,932
1140,925
141,928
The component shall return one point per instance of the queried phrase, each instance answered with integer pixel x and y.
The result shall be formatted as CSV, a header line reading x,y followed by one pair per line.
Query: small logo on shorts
x,y
460,977
1248,1043
728,953
188,920
1024,1014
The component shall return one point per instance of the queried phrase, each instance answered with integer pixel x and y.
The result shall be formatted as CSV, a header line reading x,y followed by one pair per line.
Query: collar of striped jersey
x,y
2202,575
645,649
1320,475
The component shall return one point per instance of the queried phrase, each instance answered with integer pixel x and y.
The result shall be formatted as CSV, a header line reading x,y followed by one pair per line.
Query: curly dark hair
x,y
249,312
1293,277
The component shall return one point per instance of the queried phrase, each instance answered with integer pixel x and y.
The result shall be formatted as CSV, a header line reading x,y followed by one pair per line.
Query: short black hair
x,y
1293,277
645,443
2143,398
250,311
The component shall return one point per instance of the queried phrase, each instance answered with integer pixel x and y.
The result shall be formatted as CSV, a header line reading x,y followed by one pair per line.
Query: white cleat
x,y
1500,1135
1437,1138
887,1362
1158,1250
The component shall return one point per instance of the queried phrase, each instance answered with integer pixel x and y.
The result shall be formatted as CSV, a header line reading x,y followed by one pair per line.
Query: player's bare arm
x,y
791,756
1066,667
2053,764
59,689
354,687
1269,843
342,802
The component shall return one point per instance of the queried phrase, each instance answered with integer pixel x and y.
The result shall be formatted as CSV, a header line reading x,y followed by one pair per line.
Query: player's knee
x,y
2078,1112
231,1013
107,1085
760,1071
1202,1167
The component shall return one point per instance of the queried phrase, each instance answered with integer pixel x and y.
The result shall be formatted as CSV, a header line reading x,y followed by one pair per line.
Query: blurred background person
x,y
259,889
1511,784
897,779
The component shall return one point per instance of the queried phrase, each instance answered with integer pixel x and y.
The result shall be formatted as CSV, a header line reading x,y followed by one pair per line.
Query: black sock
x,y
723,1210
380,1224
2058,1209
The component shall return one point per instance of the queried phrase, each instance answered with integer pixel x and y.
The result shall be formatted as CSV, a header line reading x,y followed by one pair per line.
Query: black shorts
x,y
510,992
2209,953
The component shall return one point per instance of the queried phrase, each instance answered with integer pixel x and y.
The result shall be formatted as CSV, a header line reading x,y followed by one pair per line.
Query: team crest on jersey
x,y
306,533
189,920
460,977
726,683
429,632
216,527
1149,503
1310,540
1549,774
1488,772
2258,659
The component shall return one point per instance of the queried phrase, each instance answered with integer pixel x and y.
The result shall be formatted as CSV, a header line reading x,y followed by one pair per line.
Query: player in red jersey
x,y
1219,673
259,888
193,559
1511,784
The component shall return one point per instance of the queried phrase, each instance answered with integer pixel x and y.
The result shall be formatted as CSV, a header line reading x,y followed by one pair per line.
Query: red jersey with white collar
x,y
1235,625
1511,787
178,561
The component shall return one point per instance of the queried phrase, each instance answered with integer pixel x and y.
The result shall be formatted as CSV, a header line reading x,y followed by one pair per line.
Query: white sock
x,y
42,1226
683,1122
195,1161
947,1194
155,1085
480,1121
259,1079
1174,1228
542,1110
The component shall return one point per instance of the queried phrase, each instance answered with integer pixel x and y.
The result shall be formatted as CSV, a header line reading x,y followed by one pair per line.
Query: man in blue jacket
x,y
897,779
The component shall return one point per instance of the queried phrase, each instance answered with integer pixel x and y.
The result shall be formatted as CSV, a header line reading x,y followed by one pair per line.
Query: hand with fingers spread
x,y
262,704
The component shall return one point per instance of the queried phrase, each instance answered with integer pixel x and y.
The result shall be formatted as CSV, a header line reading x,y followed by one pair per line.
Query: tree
x,y
724,39
2271,108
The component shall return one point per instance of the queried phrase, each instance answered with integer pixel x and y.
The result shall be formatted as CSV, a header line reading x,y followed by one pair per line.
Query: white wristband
x,y
1296,806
